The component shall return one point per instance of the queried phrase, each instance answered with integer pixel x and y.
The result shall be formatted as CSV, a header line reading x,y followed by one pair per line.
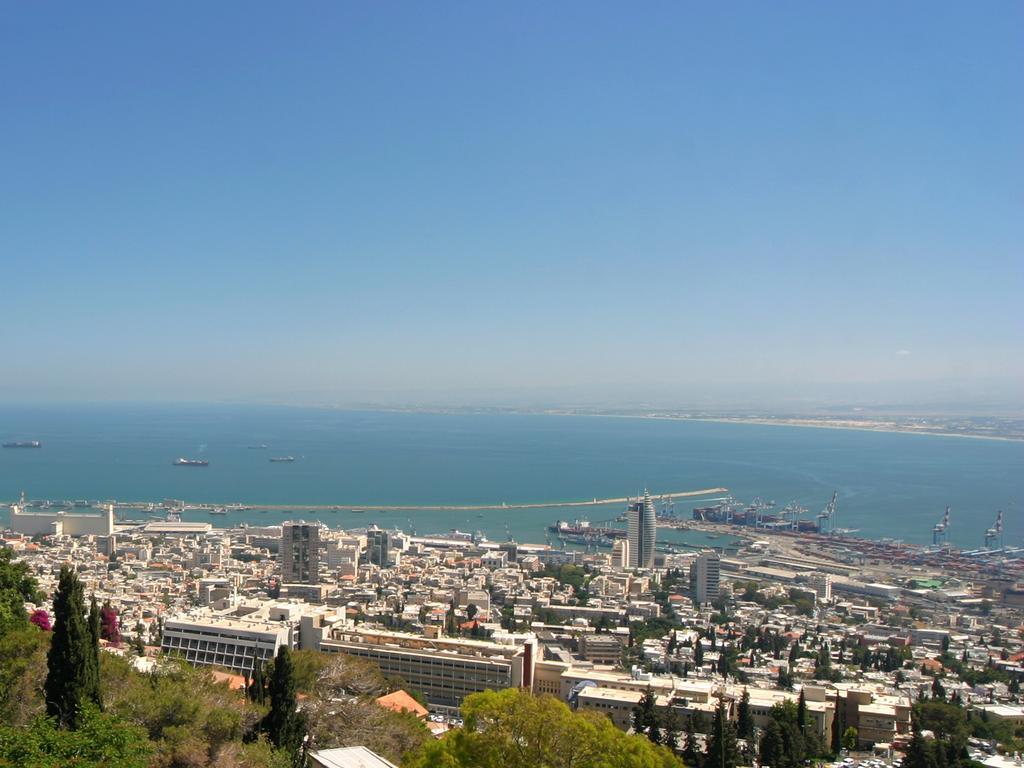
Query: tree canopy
x,y
514,729
17,586
100,741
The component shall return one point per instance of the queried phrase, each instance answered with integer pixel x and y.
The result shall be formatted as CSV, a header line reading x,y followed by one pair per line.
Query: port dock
x,y
207,506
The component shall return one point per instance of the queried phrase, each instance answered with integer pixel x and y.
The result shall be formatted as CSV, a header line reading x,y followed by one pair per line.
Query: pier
x,y
232,506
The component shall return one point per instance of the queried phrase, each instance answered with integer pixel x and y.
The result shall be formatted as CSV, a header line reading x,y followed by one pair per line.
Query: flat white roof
x,y
349,757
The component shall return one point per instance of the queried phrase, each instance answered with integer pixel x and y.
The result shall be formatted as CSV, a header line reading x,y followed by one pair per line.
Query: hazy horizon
x,y
949,397
756,206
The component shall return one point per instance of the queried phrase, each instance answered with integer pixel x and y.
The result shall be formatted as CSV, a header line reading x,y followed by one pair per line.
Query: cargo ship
x,y
23,444
191,463
282,458
584,530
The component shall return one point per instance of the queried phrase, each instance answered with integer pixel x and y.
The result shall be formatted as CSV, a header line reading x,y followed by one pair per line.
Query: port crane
x,y
758,507
827,517
941,530
994,535
668,507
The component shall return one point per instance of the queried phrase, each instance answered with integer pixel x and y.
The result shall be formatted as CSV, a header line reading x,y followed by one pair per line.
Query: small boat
x,y
358,511
276,459
218,511
190,463
23,444
260,447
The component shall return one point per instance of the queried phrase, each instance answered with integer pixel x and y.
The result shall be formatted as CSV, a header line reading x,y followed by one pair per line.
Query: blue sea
x,y
890,485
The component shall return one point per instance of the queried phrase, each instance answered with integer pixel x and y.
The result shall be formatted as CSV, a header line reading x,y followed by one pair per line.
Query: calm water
x,y
889,484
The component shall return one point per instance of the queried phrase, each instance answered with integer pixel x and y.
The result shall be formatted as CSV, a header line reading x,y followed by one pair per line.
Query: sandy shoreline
x,y
791,423
867,426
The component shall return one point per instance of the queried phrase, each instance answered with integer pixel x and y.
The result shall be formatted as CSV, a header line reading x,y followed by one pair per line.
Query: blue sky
x,y
340,202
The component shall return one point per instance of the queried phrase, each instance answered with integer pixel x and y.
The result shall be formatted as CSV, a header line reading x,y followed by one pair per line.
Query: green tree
x,y
722,751
949,724
100,741
692,756
744,720
920,753
784,679
671,728
16,588
514,729
770,751
191,718
645,717
72,677
94,646
22,671
284,726
836,736
798,745
256,689
850,738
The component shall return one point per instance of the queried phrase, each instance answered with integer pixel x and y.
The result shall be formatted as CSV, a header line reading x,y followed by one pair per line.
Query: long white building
x,y
247,633
445,670
60,522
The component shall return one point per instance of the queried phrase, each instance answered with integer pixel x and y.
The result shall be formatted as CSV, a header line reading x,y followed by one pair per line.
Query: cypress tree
x,y
836,737
744,722
72,677
93,668
691,755
801,712
257,689
722,750
771,749
284,726
645,718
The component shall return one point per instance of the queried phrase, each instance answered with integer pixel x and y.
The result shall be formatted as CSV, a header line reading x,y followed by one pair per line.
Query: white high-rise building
x,y
642,523
822,585
705,574
620,553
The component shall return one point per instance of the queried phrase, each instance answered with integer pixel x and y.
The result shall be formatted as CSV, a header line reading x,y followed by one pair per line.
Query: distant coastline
x,y
866,426
978,428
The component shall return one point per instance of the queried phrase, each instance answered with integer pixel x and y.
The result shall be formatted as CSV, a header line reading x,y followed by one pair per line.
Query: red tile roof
x,y
400,701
